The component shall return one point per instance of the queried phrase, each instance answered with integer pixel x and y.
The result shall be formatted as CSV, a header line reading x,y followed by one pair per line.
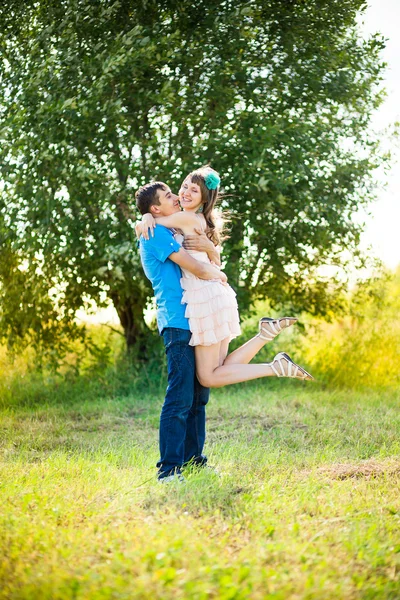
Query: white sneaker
x,y
175,477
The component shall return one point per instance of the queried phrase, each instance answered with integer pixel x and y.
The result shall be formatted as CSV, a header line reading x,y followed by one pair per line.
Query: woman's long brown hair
x,y
214,230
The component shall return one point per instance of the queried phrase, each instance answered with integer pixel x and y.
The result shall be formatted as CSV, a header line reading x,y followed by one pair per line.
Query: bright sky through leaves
x,y
382,226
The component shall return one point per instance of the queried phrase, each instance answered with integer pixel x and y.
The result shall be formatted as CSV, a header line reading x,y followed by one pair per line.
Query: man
x,y
182,421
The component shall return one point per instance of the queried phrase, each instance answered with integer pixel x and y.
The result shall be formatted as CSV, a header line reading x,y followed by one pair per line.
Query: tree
x,y
97,98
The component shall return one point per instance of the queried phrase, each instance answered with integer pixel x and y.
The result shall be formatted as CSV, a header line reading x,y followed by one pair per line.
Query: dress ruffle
x,y
211,308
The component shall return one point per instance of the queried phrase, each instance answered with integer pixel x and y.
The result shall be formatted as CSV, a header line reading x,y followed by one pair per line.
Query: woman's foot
x,y
283,366
270,328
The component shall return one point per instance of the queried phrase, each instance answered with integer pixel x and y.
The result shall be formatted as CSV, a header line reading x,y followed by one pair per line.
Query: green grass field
x,y
306,504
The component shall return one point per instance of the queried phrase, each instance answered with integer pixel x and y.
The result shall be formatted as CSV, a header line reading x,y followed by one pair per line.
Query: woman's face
x,y
190,195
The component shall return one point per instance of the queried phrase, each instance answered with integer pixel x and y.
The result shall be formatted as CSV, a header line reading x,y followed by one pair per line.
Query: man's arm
x,y
201,243
201,270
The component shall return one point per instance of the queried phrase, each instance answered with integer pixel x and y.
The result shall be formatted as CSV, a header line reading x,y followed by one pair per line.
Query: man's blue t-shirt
x,y
165,277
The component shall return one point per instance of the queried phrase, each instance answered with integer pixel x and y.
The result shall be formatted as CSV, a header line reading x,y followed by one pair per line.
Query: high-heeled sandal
x,y
269,328
293,371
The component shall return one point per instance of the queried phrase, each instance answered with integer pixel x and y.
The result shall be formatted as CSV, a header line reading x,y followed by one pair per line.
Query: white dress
x,y
211,306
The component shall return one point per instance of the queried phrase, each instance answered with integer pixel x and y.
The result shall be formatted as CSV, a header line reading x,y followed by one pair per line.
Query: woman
x,y
211,305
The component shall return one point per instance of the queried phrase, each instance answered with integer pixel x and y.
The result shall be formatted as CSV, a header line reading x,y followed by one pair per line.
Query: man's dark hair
x,y
147,196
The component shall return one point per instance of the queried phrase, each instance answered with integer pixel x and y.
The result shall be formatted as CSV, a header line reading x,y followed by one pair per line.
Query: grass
x,y
306,505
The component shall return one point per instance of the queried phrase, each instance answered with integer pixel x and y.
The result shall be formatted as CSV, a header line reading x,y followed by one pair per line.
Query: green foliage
x,y
30,316
358,350
93,367
99,97
363,348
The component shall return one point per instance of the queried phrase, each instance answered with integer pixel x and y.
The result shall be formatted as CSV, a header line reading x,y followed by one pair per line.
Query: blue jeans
x,y
183,415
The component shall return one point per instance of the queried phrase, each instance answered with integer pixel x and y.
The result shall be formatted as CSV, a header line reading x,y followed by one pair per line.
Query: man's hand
x,y
201,243
200,269
223,277
210,273
145,226
198,242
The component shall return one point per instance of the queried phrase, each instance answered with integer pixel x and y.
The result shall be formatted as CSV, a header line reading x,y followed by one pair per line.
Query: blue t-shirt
x,y
165,277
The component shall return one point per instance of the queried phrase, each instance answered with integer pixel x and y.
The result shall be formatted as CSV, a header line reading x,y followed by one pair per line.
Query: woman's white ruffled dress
x,y
211,306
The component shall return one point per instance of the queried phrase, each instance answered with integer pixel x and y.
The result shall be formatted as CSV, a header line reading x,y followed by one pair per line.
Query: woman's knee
x,y
202,379
207,380
207,360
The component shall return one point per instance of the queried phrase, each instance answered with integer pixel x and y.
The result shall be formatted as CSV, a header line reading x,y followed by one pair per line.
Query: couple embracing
x,y
197,314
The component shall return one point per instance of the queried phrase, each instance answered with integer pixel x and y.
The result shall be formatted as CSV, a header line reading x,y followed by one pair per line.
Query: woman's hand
x,y
145,226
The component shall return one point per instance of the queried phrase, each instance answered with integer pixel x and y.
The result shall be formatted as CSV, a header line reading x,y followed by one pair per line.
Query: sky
x,y
382,226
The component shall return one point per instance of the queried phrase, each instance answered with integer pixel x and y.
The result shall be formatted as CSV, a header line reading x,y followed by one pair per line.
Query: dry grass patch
x,y
369,469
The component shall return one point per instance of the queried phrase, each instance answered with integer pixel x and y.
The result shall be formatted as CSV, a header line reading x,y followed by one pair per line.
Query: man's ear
x,y
154,209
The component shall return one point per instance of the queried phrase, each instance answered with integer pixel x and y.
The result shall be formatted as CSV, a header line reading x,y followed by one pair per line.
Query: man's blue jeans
x,y
183,415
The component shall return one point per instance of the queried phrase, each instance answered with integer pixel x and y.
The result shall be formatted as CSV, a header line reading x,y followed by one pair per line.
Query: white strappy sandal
x,y
293,371
270,328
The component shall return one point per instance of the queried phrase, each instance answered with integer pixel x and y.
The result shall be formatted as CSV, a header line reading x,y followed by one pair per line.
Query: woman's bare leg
x,y
246,352
223,351
211,374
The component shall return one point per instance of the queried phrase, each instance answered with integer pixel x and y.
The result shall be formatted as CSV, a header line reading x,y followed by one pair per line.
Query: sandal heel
x,y
298,372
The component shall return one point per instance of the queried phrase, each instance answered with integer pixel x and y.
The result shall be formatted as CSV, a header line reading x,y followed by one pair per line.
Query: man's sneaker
x,y
174,477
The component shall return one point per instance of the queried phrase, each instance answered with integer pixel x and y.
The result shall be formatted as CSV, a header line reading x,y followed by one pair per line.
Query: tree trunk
x,y
130,313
